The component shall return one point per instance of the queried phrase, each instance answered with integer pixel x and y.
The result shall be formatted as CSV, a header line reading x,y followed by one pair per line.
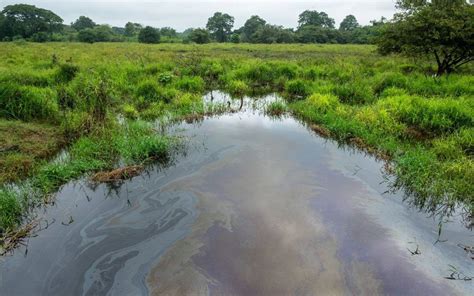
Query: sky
x,y
183,14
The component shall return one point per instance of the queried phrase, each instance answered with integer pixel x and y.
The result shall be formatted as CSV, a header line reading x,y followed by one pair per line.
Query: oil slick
x,y
258,207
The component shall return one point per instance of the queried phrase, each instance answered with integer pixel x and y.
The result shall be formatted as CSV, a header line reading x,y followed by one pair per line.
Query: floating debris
x,y
119,174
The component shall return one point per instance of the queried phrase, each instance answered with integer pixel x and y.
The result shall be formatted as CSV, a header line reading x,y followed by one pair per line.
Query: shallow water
x,y
257,206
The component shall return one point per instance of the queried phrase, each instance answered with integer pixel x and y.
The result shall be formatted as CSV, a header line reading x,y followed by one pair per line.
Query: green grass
x,y
73,94
276,108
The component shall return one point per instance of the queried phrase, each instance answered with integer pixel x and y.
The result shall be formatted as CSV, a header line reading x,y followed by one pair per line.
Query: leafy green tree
x,y
220,26
250,27
87,36
317,34
349,23
132,29
103,33
83,22
26,20
3,33
235,38
149,35
442,29
40,37
168,32
273,34
199,36
315,18
411,6
118,30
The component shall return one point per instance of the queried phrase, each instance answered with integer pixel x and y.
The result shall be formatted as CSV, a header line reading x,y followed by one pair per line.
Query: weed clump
x,y
437,116
66,72
10,209
297,89
387,80
323,102
277,109
193,84
151,92
27,103
237,88
354,93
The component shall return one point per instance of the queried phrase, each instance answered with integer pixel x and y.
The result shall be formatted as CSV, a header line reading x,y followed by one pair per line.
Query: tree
x,y
3,31
83,22
149,35
349,23
103,33
411,6
220,26
168,32
316,34
251,26
314,18
235,38
442,29
87,36
132,29
40,37
273,34
26,20
199,36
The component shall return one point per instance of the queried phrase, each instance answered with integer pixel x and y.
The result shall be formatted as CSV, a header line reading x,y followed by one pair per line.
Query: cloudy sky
x,y
182,14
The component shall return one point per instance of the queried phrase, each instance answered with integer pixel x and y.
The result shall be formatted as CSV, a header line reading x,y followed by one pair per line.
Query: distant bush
x,y
199,36
87,36
149,35
40,37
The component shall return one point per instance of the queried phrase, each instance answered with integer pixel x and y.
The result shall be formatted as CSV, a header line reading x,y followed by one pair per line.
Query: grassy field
x,y
68,96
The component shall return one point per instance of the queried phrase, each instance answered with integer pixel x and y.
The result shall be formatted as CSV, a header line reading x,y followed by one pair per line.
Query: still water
x,y
256,206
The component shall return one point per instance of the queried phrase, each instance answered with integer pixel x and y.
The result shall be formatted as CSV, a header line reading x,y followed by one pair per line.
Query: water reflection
x,y
258,206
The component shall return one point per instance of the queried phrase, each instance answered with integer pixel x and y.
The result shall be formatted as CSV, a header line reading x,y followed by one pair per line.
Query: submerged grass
x,y
96,98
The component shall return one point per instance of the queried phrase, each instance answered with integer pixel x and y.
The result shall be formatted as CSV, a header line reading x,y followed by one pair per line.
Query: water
x,y
257,206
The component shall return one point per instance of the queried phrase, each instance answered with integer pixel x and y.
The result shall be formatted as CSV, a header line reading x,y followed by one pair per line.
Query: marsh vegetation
x,y
98,102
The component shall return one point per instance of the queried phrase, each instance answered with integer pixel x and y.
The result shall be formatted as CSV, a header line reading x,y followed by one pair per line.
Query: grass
x,y
26,145
54,95
276,109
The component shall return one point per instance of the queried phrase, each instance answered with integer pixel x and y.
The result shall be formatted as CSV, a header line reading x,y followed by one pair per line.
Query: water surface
x,y
257,206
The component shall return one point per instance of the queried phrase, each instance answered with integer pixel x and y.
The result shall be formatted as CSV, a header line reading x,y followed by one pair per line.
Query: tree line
x,y
22,21
442,29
